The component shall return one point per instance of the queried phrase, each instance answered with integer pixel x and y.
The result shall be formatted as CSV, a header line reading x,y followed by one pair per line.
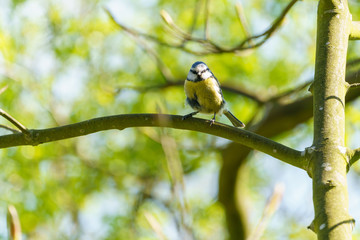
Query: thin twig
x,y
268,33
138,33
163,69
350,63
195,17
177,181
150,37
242,20
291,92
207,45
354,156
13,221
230,88
270,208
17,124
171,24
3,89
155,225
206,23
257,98
165,72
354,85
9,128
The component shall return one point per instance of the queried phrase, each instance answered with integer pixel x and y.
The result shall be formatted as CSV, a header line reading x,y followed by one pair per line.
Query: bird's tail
x,y
236,122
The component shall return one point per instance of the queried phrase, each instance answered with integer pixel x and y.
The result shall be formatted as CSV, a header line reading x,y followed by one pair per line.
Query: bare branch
x,y
13,221
206,24
354,156
138,33
155,225
172,26
260,99
270,208
163,69
230,88
242,20
177,181
355,30
237,90
9,128
165,72
276,98
3,89
249,139
354,85
207,46
17,124
268,33
195,16
291,91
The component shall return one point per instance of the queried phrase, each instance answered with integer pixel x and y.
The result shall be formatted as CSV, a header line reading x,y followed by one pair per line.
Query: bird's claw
x,y
187,116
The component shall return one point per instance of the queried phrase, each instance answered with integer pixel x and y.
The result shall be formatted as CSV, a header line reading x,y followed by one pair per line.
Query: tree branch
x,y
271,207
242,20
355,30
268,33
13,221
207,45
257,98
17,124
354,156
206,23
249,139
163,69
3,89
354,85
9,128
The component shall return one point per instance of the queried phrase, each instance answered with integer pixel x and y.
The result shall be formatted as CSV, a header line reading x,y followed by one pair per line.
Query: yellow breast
x,y
207,93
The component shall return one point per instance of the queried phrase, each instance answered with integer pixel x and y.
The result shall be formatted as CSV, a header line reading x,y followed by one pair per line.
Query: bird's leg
x,y
189,115
212,120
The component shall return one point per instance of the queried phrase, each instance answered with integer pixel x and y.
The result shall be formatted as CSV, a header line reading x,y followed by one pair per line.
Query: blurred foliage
x,y
65,61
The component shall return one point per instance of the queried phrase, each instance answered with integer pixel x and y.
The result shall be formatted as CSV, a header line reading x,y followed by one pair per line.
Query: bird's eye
x,y
204,70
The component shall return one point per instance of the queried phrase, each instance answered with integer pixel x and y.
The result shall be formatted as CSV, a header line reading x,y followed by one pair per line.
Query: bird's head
x,y
199,71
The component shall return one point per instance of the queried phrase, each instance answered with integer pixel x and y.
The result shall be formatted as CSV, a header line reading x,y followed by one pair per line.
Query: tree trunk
x,y
329,158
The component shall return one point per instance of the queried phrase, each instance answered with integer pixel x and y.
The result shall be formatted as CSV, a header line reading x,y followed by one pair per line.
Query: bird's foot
x,y
189,115
212,121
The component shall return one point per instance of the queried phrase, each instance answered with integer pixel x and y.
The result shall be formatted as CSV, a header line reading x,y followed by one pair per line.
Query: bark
x,y
329,154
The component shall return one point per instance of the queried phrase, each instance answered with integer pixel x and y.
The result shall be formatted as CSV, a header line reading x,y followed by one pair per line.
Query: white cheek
x,y
191,76
206,75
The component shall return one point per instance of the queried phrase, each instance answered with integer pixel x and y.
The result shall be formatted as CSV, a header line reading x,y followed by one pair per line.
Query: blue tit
x,y
204,95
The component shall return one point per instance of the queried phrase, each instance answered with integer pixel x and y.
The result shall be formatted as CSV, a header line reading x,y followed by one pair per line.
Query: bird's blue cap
x,y
197,63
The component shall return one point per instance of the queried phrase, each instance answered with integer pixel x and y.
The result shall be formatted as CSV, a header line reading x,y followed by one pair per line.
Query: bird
x,y
204,95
